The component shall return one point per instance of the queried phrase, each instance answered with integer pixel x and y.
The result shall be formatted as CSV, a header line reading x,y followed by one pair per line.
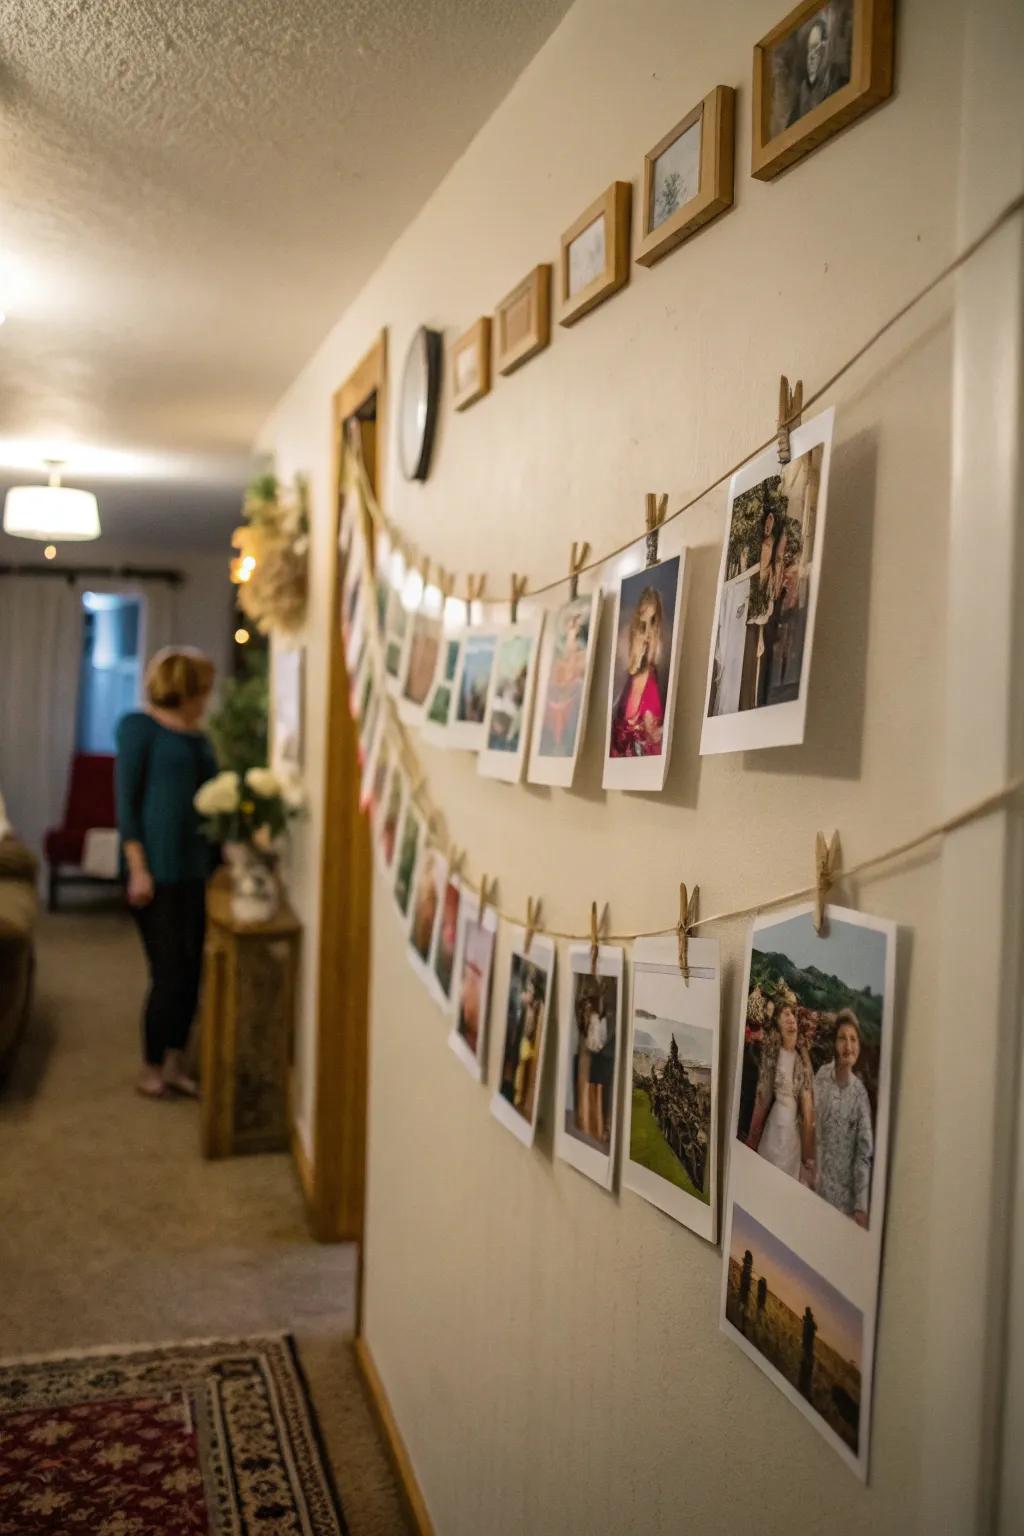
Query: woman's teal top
x,y
158,773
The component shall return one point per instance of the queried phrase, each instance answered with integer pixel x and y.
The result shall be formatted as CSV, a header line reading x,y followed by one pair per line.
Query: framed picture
x,y
807,1168
595,253
510,701
643,676
523,320
527,1003
471,984
563,693
670,1147
763,633
589,1052
471,364
824,65
688,176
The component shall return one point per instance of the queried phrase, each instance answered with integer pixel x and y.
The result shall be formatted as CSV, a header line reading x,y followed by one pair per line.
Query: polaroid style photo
x,y
371,781
470,989
526,1003
643,676
589,1052
763,631
510,701
446,938
807,1169
411,838
441,699
472,684
670,1137
372,711
420,666
397,635
288,727
563,691
429,883
392,807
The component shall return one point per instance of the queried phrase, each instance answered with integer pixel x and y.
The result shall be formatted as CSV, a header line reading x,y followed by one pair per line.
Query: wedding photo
x,y
563,691
643,677
525,1012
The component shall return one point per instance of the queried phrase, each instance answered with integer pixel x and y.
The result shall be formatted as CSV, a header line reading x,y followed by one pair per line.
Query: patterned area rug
x,y
176,1440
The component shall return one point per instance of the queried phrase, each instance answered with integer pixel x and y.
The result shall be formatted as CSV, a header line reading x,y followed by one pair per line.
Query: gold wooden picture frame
x,y
688,176
471,364
824,65
594,262
523,320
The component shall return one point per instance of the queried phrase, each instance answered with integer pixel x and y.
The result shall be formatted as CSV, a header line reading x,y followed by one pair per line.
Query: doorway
x,y
108,685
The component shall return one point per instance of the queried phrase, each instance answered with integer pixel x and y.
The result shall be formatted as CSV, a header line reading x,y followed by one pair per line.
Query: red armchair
x,y
90,803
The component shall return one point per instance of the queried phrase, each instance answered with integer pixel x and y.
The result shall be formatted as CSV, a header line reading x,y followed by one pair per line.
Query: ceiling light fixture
x,y
53,512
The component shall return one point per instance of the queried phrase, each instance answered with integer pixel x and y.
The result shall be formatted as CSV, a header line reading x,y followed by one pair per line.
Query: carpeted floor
x,y
115,1230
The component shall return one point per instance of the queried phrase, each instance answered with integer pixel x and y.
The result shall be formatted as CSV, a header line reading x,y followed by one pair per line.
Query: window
x,y
109,676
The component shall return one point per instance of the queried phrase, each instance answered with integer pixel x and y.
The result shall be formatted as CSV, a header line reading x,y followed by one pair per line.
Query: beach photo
x,y
586,1133
472,683
764,615
525,1012
471,992
563,691
509,702
642,679
788,1317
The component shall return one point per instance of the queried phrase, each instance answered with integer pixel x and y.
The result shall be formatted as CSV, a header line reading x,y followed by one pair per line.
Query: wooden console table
x,y
247,1018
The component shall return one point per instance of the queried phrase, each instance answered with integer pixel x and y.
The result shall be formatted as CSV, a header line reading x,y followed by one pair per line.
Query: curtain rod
x,y
104,572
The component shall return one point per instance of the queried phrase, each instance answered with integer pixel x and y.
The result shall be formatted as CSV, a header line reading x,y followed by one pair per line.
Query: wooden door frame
x,y
337,1195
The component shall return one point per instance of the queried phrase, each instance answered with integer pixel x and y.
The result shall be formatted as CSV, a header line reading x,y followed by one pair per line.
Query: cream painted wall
x,y
551,1353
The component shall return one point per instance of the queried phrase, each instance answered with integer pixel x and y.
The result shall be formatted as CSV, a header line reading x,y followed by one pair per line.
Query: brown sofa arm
x,y
16,861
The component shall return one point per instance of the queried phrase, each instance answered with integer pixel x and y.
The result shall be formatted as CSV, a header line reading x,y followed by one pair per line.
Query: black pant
x,y
173,927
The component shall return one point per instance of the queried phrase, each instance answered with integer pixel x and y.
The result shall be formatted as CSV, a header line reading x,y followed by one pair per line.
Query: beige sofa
x,y
19,906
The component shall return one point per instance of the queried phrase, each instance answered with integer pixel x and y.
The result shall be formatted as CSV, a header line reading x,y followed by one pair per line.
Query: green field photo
x,y
648,1147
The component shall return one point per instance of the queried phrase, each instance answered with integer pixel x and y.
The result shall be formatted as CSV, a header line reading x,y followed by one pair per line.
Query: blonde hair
x,y
177,674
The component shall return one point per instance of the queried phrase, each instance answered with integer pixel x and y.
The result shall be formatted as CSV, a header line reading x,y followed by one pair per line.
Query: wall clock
x,y
417,407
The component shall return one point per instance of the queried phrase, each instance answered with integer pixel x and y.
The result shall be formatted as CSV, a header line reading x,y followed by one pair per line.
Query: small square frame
x,y
536,290
870,82
477,339
717,117
614,206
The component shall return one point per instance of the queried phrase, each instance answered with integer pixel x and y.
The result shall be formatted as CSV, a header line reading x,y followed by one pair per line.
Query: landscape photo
x,y
800,1324
405,864
477,661
509,689
671,1087
440,701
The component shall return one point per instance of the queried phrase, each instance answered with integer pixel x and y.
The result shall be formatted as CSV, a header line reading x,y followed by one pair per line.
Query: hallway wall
x,y
551,1352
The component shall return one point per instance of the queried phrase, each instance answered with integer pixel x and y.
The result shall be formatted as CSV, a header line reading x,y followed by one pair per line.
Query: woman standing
x,y
782,1125
162,758
843,1134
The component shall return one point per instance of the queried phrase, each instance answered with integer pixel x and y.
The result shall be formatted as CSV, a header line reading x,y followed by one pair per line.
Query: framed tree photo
x,y
523,320
823,66
595,253
688,176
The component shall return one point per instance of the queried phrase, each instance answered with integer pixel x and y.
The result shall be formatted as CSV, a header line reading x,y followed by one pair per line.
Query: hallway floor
x,y
114,1229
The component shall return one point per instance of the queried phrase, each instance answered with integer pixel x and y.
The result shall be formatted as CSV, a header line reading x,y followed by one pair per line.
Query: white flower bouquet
x,y
251,809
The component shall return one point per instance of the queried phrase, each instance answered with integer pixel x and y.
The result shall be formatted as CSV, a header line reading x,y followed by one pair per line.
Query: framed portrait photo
x,y
824,65
471,364
763,633
522,321
510,701
594,262
688,176
563,690
643,676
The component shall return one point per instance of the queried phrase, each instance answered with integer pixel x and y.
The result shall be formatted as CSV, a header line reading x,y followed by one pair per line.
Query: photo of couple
x,y
812,1057
593,1045
524,1035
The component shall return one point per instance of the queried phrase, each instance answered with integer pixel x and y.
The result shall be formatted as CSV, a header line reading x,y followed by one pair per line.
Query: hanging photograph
x,y
396,639
643,676
527,1001
823,66
441,697
808,1161
420,666
371,707
590,1038
429,882
350,598
392,805
510,701
763,630
287,728
688,176
472,684
563,691
411,834
670,1136
471,989
595,253
446,937
371,782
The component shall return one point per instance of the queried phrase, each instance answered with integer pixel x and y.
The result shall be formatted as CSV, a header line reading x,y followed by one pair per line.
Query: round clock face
x,y
417,411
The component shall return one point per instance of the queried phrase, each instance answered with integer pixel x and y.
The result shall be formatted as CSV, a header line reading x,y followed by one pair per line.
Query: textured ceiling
x,y
192,190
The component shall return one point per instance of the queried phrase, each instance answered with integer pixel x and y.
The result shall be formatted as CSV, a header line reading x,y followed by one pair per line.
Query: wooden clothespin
x,y
687,920
577,560
445,583
456,859
790,409
532,920
595,938
474,592
656,507
488,893
517,586
826,867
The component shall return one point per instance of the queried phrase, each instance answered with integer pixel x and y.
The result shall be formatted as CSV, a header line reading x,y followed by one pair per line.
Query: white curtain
x,y
40,657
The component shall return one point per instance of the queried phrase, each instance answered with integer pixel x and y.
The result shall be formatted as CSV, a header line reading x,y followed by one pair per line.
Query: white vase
x,y
255,891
